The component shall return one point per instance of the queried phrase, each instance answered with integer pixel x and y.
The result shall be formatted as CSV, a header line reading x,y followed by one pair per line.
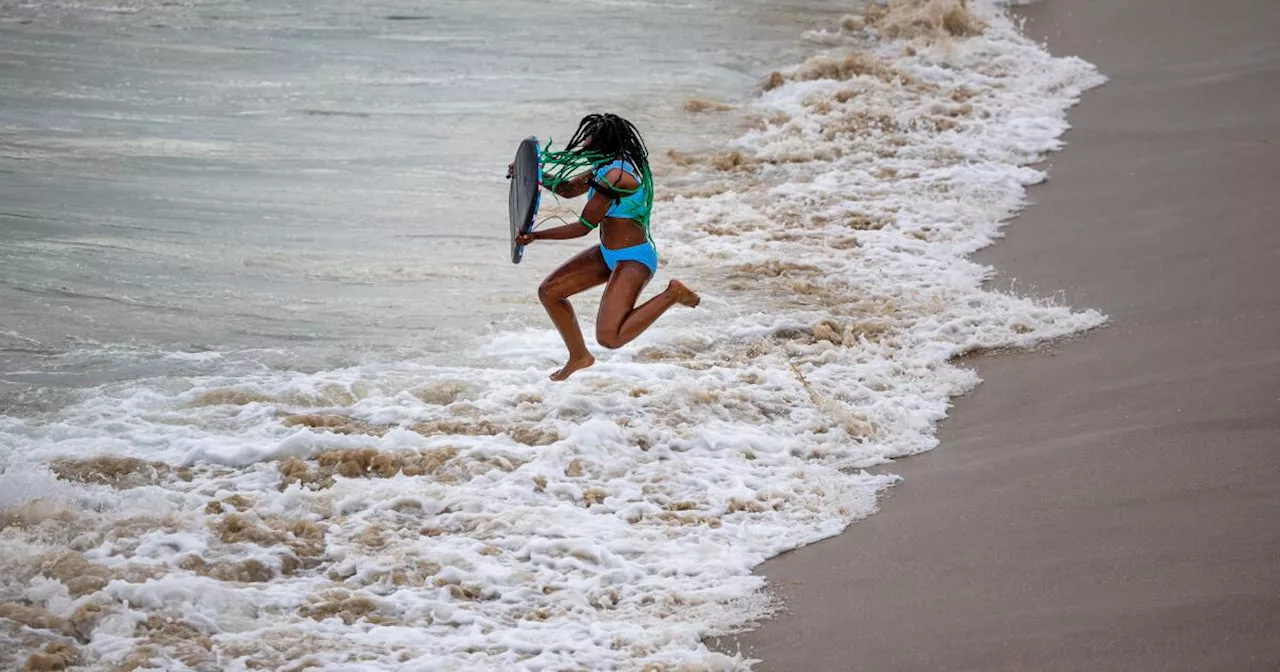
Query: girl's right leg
x,y
584,271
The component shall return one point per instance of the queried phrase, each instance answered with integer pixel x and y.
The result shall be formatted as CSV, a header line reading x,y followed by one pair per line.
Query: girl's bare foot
x,y
683,295
574,364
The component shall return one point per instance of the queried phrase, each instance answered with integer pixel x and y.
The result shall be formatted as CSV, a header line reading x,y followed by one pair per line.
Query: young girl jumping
x,y
619,200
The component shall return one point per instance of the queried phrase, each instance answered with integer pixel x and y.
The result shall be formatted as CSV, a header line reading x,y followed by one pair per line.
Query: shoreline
x,y
1106,502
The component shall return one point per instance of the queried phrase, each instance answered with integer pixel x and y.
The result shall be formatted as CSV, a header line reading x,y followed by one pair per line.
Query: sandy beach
x,y
1107,503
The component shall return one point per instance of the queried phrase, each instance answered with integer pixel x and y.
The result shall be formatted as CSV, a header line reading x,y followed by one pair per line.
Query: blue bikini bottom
x,y
644,253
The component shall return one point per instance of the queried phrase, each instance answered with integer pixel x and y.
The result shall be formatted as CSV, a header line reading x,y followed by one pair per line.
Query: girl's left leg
x,y
586,269
620,320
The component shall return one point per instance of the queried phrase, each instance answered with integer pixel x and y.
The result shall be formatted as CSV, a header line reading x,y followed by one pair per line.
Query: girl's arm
x,y
590,219
573,187
564,232
570,188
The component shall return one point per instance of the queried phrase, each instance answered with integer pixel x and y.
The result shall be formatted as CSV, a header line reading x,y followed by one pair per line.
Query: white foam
x,y
612,521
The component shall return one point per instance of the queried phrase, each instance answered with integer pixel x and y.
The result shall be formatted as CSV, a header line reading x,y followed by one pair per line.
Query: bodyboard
x,y
526,174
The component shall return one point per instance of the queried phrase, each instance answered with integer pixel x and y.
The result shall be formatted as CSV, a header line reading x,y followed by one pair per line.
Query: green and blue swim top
x,y
627,204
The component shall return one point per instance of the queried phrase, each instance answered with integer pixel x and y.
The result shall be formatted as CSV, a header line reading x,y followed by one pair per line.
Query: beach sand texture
x,y
1108,503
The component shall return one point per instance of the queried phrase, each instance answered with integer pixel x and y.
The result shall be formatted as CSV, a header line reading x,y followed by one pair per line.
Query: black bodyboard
x,y
526,174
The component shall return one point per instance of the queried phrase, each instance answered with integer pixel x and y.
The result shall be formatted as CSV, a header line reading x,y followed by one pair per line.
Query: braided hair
x,y
612,137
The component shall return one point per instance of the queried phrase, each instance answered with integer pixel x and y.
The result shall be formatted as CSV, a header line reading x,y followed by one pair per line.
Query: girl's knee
x,y
547,292
610,339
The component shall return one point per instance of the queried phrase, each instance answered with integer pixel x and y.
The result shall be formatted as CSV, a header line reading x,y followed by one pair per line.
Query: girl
x,y
619,200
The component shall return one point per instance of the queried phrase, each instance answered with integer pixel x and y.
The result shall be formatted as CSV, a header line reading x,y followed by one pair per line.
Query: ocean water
x,y
272,397
314,178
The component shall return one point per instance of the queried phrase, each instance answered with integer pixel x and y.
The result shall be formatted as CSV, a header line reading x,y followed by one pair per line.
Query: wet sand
x,y
1112,502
